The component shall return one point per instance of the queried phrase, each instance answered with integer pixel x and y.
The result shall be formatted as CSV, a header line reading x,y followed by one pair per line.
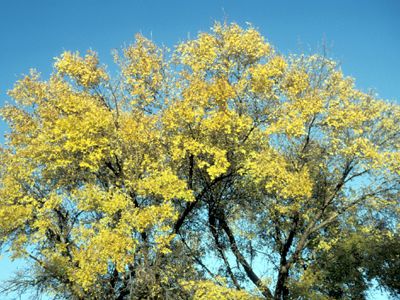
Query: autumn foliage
x,y
219,170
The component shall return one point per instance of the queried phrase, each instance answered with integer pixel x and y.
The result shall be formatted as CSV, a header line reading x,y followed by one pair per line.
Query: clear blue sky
x,y
363,35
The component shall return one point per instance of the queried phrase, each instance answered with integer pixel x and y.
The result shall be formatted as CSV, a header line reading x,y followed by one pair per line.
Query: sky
x,y
364,36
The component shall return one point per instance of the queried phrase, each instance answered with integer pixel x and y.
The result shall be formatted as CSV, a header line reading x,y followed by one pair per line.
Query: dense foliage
x,y
219,170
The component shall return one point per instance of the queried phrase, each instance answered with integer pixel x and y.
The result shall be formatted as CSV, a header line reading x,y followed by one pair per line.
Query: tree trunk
x,y
281,290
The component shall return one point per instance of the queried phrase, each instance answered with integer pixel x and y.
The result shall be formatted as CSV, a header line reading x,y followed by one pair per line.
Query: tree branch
x,y
242,260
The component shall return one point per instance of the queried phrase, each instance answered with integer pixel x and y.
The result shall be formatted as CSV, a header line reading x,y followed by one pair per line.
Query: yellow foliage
x,y
84,70
142,66
96,175
209,290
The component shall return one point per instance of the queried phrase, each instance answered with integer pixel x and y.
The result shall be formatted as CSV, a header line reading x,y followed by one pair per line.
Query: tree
x,y
219,170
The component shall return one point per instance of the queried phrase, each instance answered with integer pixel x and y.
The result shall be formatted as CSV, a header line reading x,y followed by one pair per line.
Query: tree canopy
x,y
221,169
